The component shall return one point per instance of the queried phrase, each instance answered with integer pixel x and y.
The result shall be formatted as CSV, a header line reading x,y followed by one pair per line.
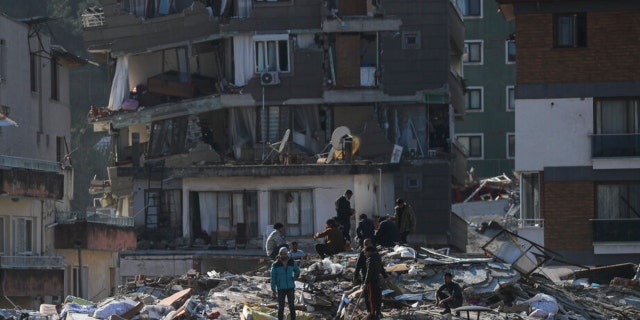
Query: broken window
x,y
23,236
530,200
272,53
293,208
221,214
173,136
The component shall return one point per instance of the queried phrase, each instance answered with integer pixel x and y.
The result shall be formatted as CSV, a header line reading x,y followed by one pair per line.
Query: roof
x,y
66,57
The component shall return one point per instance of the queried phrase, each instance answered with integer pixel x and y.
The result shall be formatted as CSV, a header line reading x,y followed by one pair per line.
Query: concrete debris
x,y
492,289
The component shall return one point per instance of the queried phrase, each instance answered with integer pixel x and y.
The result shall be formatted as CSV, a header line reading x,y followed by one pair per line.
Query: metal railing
x,y
531,223
616,230
28,163
64,217
32,262
615,145
93,18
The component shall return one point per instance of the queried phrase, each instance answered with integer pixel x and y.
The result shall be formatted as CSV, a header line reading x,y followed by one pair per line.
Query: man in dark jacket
x,y
333,240
404,218
284,272
361,263
344,213
449,295
364,230
387,234
371,288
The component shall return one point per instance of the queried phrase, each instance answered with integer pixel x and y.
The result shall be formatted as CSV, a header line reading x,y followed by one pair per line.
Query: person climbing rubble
x,y
361,263
371,288
449,295
333,240
276,240
284,272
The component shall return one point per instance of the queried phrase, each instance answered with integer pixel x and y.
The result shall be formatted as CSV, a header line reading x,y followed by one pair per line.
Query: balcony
x,y
616,230
28,163
32,262
615,145
69,217
94,231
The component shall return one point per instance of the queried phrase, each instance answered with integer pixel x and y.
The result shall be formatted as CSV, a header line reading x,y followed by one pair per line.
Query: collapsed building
x,y
226,117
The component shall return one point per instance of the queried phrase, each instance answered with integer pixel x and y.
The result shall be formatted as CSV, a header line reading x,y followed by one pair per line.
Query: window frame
x,y
34,62
405,37
275,217
480,14
3,236
31,240
507,103
271,38
578,30
466,98
508,149
506,51
466,55
468,148
55,80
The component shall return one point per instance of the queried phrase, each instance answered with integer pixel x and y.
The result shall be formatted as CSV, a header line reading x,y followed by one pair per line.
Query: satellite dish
x,y
284,140
337,135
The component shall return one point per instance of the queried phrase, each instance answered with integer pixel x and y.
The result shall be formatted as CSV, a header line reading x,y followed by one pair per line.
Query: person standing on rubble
x,y
371,287
387,234
449,295
364,230
333,240
405,218
344,212
284,272
361,263
276,240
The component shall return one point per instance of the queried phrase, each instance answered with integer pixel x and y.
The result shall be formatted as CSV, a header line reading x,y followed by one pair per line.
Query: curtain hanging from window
x,y
120,84
243,58
244,8
208,206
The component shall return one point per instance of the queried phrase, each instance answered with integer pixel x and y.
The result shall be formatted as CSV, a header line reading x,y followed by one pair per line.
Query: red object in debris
x,y
214,315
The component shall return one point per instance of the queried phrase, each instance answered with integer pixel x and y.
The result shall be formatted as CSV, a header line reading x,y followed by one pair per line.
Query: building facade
x,y
488,132
577,126
228,118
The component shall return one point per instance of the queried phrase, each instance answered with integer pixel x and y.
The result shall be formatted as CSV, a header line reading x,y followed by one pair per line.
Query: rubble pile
x,y
325,290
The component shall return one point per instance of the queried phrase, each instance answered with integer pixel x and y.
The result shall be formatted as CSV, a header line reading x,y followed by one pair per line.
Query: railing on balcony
x,y
93,17
63,217
531,223
616,230
615,145
27,163
32,262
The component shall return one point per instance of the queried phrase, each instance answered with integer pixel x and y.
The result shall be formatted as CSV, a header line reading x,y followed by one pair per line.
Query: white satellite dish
x,y
284,140
337,135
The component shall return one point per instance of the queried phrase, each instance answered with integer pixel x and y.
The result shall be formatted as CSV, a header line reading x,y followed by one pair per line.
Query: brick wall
x,y
567,208
611,53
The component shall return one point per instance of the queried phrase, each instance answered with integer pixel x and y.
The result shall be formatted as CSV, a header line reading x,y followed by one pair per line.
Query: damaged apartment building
x,y
227,116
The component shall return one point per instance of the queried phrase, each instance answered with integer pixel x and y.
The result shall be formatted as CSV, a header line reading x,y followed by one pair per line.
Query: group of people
x,y
370,272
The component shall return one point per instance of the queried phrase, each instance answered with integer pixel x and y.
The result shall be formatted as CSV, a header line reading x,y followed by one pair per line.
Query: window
x,y
472,144
272,54
2,235
293,208
23,236
411,40
570,30
472,52
220,213
511,98
474,98
618,201
618,116
54,80
470,8
510,51
530,199
511,145
172,136
2,58
60,148
33,72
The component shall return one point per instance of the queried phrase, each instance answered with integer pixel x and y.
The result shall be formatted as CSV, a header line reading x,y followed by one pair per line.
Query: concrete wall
x,y
553,132
100,265
155,266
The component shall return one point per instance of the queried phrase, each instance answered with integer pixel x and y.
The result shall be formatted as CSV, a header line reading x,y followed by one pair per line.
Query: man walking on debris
x,y
405,218
364,230
276,240
449,295
333,240
387,234
344,213
284,272
371,288
361,263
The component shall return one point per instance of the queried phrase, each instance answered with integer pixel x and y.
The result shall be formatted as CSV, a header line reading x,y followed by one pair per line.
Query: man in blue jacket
x,y
284,272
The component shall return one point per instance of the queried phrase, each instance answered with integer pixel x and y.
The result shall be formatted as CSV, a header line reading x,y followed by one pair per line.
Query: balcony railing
x,y
32,262
27,163
93,17
616,230
615,145
63,217
531,223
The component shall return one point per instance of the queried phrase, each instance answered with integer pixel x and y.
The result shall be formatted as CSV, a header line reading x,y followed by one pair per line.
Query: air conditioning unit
x,y
269,78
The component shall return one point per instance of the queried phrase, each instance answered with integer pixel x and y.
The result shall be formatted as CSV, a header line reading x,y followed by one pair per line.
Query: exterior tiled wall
x,y
606,58
567,208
